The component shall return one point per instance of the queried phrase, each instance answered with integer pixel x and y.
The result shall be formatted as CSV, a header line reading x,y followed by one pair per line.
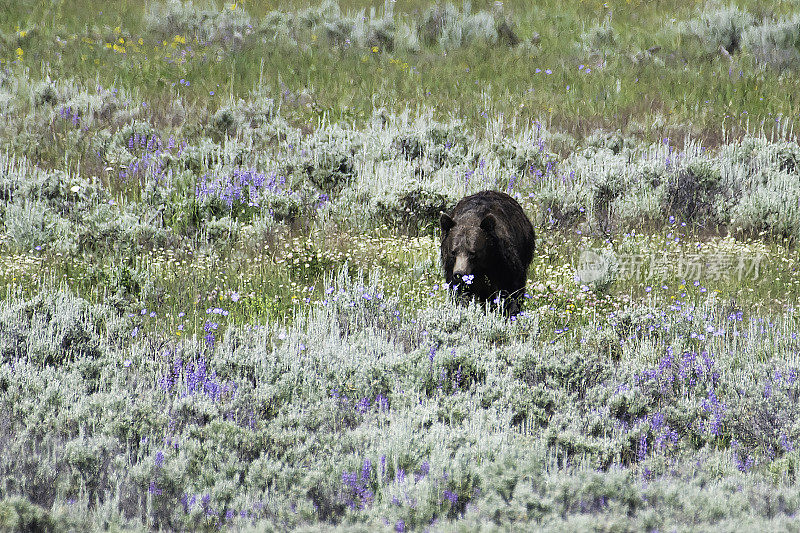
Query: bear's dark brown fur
x,y
487,246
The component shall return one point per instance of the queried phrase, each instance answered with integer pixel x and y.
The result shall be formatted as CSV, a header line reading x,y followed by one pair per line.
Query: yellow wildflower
x,y
19,53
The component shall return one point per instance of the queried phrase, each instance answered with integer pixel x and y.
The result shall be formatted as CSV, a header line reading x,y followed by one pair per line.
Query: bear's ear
x,y
488,223
446,222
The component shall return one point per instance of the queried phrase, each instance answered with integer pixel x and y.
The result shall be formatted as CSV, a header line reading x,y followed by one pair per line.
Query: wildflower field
x,y
221,303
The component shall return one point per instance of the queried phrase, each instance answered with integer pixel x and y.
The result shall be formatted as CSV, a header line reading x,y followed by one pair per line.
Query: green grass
x,y
683,93
260,286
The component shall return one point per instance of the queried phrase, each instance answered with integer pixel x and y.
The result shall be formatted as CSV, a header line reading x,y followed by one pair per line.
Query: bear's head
x,y
468,252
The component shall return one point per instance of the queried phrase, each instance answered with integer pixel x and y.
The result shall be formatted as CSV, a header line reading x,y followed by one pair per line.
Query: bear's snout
x,y
462,267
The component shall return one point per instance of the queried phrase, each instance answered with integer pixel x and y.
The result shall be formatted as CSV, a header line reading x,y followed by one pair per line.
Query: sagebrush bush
x,y
771,207
774,44
445,25
599,37
434,20
328,158
52,329
244,118
18,514
108,228
48,92
229,26
692,192
404,403
717,26
415,206
32,224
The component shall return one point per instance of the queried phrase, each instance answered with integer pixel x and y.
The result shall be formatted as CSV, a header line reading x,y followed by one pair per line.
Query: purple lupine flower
x,y
366,470
511,182
744,464
642,453
185,502
363,405
153,489
657,420
382,402
424,469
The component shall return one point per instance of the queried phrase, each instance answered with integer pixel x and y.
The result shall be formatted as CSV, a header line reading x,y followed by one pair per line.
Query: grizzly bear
x,y
486,248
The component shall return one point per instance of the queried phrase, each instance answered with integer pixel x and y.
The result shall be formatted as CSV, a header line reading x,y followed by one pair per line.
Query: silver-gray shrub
x,y
397,168
642,204
371,30
89,108
442,25
451,414
600,37
445,25
770,207
646,184
693,190
327,158
774,44
42,208
245,118
124,229
33,224
52,328
68,105
435,21
753,153
415,205
65,193
206,24
718,26
49,92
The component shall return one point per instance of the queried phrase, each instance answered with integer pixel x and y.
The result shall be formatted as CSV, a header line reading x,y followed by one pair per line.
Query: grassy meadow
x,y
222,304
